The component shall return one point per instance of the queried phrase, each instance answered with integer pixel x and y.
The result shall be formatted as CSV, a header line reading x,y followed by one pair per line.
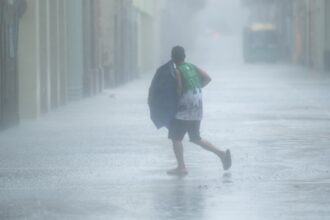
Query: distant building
x,y
312,33
147,33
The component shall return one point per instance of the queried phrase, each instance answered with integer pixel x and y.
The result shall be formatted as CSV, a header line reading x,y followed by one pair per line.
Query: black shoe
x,y
227,160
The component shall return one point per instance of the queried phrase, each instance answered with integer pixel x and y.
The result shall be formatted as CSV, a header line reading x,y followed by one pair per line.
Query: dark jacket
x,y
162,99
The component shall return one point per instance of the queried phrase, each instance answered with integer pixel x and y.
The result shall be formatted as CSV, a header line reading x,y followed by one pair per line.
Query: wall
x,y
50,56
312,21
28,62
327,37
69,49
10,13
317,34
147,34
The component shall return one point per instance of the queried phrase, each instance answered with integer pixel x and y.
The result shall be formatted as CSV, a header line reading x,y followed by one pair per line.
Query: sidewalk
x,y
101,158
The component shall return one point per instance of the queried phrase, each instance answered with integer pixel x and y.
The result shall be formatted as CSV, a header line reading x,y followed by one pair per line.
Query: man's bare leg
x,y
178,151
223,155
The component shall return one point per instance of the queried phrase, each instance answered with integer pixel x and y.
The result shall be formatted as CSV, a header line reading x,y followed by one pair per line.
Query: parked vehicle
x,y
260,43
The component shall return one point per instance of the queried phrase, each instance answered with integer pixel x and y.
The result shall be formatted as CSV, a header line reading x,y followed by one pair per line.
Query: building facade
x,y
50,55
147,34
10,15
58,51
312,34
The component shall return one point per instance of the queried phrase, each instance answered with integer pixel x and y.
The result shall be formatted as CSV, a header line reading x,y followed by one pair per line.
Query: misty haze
x,y
165,109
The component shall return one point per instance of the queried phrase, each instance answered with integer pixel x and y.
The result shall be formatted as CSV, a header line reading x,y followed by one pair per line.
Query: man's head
x,y
178,54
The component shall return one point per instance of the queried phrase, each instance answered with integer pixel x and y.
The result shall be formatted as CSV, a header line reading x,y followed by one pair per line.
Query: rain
x,y
82,135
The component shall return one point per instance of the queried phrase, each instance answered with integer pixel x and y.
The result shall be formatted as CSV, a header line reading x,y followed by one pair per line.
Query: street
x,y
102,158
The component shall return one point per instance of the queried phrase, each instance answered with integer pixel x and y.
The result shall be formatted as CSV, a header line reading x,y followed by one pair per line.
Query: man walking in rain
x,y
188,82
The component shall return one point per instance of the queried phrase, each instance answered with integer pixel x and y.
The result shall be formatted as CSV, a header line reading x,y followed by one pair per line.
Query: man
x,y
189,81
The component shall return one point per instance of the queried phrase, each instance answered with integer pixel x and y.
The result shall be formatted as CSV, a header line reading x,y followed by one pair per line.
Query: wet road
x,y
101,158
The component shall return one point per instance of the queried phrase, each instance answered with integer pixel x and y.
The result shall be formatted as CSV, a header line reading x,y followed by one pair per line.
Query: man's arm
x,y
205,78
178,83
